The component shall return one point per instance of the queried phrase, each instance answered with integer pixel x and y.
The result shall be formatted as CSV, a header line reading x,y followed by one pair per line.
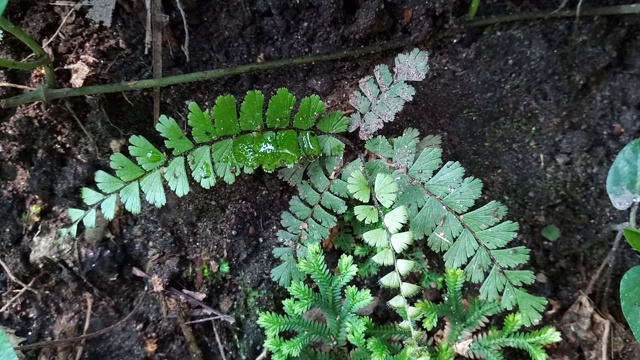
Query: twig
x,y
87,336
194,350
64,21
263,354
185,46
73,114
607,261
605,338
43,94
595,11
16,297
87,320
220,347
156,51
16,280
205,319
17,86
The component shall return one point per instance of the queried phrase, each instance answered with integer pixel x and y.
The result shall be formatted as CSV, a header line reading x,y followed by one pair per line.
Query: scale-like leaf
x,y
89,220
108,183
384,257
461,250
405,266
447,179
225,164
330,146
391,280
385,189
201,166
401,241
130,197
91,197
381,146
75,214
176,139
333,123
366,213
359,186
378,238
125,169
498,236
251,118
151,186
176,176
280,108
225,115
202,128
412,66
311,107
6,348
145,153
512,257
396,218
108,207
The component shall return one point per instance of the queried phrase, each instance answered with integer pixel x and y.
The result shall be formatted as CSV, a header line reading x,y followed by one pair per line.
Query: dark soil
x,y
537,110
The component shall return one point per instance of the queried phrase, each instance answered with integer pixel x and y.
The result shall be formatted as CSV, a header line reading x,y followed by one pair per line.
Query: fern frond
x,y
228,143
382,96
338,303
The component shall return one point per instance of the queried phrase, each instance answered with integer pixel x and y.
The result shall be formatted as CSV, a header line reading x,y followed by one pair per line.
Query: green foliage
x,y
623,182
623,187
6,349
224,145
396,198
551,232
3,6
322,319
629,295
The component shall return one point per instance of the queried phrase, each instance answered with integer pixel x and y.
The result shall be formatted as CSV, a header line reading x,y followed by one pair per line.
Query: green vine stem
x,y
47,94
43,60
596,11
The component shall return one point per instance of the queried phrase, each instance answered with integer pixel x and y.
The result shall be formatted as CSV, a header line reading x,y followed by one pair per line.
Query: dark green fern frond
x,y
225,143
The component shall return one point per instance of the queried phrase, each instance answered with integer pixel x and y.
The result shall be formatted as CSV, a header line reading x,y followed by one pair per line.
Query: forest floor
x,y
535,109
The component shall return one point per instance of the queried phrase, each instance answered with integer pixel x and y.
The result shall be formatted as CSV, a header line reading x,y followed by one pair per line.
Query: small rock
x,y
321,84
575,142
562,159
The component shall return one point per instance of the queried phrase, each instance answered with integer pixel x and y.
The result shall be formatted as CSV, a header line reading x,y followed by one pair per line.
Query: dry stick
x,y
64,21
43,94
185,46
156,51
87,320
17,86
607,260
220,347
596,11
16,297
263,354
16,280
87,336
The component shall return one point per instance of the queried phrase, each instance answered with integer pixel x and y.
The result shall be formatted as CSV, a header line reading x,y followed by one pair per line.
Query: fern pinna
x,y
224,144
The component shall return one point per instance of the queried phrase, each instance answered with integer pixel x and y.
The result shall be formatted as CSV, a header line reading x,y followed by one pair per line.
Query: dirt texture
x,y
537,110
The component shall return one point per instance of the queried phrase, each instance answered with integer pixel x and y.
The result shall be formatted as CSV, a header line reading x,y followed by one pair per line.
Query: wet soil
x,y
536,109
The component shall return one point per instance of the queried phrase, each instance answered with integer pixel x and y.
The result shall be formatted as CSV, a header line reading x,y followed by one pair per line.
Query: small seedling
x,y
551,232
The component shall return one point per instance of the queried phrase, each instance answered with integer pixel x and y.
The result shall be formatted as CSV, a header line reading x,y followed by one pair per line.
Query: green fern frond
x,y
228,143
338,303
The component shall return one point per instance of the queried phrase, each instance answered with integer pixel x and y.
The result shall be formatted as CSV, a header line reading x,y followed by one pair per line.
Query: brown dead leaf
x,y
157,284
79,72
196,295
150,346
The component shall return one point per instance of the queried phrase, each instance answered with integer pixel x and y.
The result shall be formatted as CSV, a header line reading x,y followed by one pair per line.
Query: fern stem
x,y
595,11
52,94
44,59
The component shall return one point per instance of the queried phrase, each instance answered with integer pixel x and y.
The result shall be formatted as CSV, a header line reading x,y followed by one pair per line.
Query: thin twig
x,y
607,261
87,320
595,11
211,318
73,114
17,86
185,46
87,336
16,297
605,338
64,20
263,355
43,94
15,279
220,347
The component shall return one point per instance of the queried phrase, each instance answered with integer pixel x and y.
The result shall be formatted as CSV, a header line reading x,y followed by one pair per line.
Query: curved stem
x,y
12,64
596,11
632,215
44,94
49,79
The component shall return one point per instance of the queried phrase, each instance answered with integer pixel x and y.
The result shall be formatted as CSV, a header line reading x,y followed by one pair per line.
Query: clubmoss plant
x,y
389,202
